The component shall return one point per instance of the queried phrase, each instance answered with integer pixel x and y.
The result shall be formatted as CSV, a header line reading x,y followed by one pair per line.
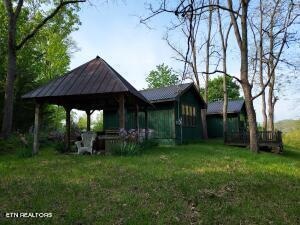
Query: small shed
x,y
236,114
95,85
175,117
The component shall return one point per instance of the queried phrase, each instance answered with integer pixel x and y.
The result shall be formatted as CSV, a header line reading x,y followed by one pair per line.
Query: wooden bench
x,y
112,132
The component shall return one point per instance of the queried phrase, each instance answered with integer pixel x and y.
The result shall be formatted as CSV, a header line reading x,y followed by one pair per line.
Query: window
x,y
188,115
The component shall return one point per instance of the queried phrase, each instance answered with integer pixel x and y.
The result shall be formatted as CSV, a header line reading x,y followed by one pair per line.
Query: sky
x,y
113,31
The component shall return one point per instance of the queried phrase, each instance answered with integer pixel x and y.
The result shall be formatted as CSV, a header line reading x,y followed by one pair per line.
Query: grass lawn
x,y
205,183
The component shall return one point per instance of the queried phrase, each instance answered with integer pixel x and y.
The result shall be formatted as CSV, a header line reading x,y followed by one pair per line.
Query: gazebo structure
x,y
94,85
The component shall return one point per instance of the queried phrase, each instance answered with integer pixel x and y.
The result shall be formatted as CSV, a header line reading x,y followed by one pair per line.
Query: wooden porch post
x,y
121,111
88,120
36,129
137,120
146,124
68,128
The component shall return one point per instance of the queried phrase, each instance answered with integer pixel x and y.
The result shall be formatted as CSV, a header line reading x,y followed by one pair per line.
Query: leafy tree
x,y
215,90
44,57
161,77
55,117
82,122
98,124
23,22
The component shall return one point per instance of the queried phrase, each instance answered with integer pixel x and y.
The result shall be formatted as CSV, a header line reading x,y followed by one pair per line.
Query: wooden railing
x,y
269,137
264,137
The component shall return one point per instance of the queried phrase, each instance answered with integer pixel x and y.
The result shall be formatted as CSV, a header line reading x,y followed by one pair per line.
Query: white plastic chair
x,y
86,145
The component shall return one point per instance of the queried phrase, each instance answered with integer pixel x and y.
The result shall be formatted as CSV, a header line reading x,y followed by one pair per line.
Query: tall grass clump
x,y
125,148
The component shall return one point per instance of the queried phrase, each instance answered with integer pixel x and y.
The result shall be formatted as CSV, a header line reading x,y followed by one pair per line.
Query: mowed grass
x,y
205,183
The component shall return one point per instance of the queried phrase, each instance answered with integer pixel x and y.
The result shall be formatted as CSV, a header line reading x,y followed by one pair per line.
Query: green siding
x,y
215,124
110,119
161,120
189,133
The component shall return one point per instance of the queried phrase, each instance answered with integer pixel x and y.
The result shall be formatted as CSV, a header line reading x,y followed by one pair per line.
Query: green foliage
x,y
208,183
130,148
24,152
14,145
215,89
98,123
60,146
161,77
82,122
10,145
125,148
44,57
55,117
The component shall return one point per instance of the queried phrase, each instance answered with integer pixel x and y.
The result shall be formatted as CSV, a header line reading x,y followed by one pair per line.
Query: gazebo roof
x,y
93,77
90,79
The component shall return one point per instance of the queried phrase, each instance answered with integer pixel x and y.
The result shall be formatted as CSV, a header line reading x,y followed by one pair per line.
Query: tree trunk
x,y
264,111
195,71
10,79
271,118
225,103
224,42
245,82
204,111
13,9
271,103
208,54
263,95
204,123
271,75
251,118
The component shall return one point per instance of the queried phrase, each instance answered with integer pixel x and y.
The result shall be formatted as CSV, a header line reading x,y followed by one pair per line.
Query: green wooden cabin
x,y
237,117
174,118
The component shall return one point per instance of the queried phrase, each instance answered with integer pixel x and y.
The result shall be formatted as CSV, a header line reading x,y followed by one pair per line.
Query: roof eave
x,y
163,100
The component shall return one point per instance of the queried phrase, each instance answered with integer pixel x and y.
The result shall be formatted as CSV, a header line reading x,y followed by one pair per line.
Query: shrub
x,y
24,152
60,146
10,145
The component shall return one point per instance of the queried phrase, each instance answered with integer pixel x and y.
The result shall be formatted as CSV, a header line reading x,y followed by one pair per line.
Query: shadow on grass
x,y
291,152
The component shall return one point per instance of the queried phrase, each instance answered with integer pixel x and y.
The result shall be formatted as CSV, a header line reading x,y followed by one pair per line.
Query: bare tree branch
x,y
183,9
284,41
220,71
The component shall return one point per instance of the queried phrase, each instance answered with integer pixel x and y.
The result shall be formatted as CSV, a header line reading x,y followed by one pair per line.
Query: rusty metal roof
x,y
163,94
93,77
234,106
